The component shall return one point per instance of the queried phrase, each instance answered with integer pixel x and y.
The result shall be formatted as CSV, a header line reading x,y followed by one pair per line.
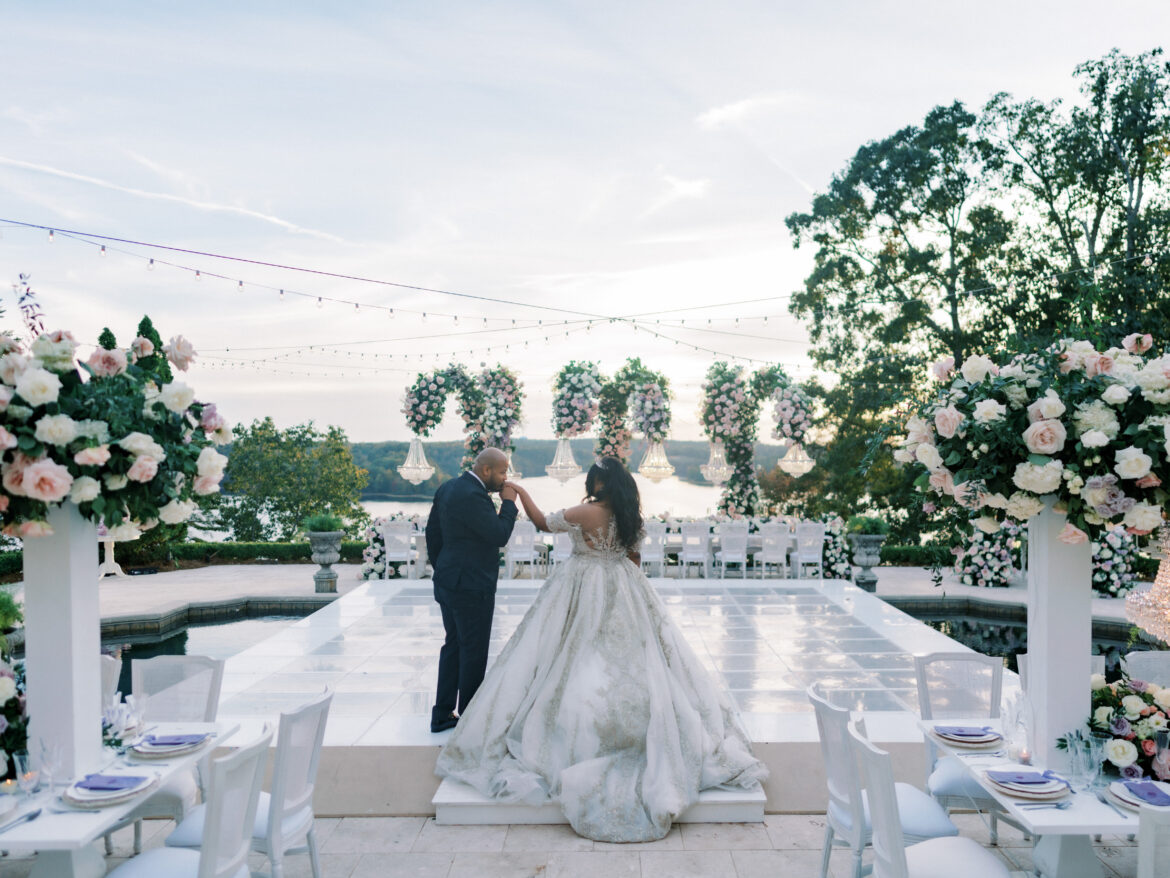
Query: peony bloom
x,y
942,480
143,469
988,411
106,364
947,421
1039,479
1072,535
141,347
1045,437
12,366
1021,506
1162,698
987,524
978,367
1094,439
47,481
95,456
56,430
943,369
29,529
1132,463
1138,343
38,386
180,352
176,396
85,489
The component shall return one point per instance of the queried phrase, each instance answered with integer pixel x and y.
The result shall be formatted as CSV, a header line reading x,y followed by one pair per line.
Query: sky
x,y
538,167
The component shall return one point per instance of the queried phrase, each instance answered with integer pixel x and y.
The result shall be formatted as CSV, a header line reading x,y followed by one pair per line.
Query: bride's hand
x,y
515,487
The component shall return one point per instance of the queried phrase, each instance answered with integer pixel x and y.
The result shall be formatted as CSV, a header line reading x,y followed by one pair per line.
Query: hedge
x,y
916,556
351,550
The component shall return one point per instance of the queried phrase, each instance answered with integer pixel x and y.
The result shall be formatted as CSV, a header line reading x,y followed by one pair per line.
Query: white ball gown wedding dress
x,y
599,704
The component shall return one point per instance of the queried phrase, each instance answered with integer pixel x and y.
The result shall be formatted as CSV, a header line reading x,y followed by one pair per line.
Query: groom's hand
x,y
508,492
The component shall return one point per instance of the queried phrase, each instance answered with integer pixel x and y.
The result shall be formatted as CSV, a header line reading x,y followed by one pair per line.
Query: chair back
x,y
232,797
654,543
733,540
1096,666
396,536
810,540
562,546
889,845
696,540
840,767
1153,841
294,772
774,537
179,688
111,673
523,539
1150,665
957,684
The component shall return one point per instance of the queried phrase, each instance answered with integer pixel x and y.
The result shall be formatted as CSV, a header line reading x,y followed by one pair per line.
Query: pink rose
x,y
928,507
12,474
35,529
3,502
1098,364
942,481
1138,343
7,440
47,481
142,347
5,396
107,363
180,352
1045,437
1149,748
212,420
207,484
143,469
1148,481
1138,532
947,421
944,368
1072,535
92,456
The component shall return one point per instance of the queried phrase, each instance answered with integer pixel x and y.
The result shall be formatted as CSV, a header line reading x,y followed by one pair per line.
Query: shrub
x,y
867,524
322,522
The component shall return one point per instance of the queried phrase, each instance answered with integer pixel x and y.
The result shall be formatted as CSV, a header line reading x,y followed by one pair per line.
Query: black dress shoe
x,y
448,722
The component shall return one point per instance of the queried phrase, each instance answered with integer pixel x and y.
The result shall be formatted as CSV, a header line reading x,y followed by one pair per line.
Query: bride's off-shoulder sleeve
x,y
556,522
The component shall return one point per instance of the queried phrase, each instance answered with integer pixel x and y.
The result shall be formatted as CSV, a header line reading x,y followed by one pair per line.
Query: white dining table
x,y
1062,845
63,839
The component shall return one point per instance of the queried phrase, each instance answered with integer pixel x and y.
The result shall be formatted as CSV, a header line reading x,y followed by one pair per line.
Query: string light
x,y
197,274
50,236
102,252
282,295
150,265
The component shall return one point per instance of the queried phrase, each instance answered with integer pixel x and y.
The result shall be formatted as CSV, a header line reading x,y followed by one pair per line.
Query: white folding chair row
x,y
654,547
810,547
775,539
397,536
696,547
521,549
733,545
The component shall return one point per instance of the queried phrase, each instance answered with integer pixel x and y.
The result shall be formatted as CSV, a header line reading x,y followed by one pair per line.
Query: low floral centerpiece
x,y
1131,712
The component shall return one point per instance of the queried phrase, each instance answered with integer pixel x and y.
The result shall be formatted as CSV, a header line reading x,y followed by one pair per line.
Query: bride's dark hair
x,y
619,489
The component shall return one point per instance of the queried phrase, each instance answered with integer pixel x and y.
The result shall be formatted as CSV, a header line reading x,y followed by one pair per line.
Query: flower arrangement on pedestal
x,y
576,401
1132,711
836,552
116,435
1090,427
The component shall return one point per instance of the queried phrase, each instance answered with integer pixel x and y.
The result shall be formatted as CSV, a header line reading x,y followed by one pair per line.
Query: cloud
x,y
678,189
737,112
175,199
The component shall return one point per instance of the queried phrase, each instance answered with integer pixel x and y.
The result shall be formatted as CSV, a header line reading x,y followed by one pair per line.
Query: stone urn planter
x,y
326,551
867,553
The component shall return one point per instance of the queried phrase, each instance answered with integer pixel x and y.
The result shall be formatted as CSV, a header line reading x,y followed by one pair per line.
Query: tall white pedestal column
x,y
63,641
1060,640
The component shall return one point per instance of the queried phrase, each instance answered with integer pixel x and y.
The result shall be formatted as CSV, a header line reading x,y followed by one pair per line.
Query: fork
x,y
1060,806
1101,798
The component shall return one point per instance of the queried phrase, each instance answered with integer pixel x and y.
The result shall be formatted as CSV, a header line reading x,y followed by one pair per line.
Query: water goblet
x,y
51,759
27,777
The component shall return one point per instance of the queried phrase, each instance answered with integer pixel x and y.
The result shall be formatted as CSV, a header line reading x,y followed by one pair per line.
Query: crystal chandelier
x,y
416,470
716,470
796,462
564,466
1150,610
654,465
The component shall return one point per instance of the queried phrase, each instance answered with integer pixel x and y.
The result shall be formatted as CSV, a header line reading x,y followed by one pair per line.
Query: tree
x,y
278,477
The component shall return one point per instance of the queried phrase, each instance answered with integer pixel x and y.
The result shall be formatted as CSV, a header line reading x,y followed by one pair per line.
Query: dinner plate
x,y
1043,792
988,743
88,799
1122,796
148,750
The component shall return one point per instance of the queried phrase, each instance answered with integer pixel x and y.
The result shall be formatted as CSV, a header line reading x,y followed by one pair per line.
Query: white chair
x,y
810,547
1096,666
178,688
953,857
1153,842
775,538
967,685
111,673
733,541
1149,665
521,548
284,818
654,547
847,819
562,548
397,538
696,546
233,794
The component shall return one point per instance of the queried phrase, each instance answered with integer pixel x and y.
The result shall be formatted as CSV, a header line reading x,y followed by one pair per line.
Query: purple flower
x,y
1132,771
1119,727
1139,685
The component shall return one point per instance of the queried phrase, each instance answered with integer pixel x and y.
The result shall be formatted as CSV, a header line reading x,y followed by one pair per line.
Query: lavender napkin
x,y
174,740
1024,777
109,782
964,731
1148,792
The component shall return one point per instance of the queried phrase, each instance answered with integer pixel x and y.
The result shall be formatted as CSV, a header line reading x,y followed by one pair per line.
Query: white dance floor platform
x,y
766,640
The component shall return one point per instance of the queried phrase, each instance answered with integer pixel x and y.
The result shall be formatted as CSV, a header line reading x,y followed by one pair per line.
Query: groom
x,y
464,536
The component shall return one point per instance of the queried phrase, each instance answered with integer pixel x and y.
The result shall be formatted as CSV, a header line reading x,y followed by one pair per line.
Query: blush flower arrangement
x,y
115,435
577,399
1132,712
649,411
1089,427
791,407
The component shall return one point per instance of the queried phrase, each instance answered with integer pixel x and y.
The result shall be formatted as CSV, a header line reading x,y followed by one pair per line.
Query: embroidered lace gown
x,y
598,703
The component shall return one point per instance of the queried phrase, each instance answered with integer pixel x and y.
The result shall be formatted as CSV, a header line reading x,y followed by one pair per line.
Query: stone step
x,y
458,804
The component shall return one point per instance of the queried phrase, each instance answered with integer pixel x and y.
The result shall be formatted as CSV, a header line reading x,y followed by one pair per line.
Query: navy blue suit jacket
x,y
465,534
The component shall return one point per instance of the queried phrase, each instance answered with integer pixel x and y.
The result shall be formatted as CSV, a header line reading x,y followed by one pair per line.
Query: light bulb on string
x,y
240,286
150,265
198,275
282,295
320,304
357,307
102,251
424,317
50,236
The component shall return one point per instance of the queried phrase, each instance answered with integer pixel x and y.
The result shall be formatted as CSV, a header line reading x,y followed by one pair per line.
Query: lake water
x,y
671,496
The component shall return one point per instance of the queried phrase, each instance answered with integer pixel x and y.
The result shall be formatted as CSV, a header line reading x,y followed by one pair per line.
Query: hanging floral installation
x,y
649,411
614,432
792,410
577,399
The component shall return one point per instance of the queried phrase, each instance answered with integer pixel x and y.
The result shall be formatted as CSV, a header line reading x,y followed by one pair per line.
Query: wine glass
x,y
51,759
27,777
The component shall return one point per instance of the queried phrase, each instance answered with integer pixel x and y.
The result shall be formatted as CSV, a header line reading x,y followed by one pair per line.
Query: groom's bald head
x,y
491,465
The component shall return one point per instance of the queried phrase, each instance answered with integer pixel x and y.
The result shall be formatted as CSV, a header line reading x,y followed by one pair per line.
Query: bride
x,y
597,702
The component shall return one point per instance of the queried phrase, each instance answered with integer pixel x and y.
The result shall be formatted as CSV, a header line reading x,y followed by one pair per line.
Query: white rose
x,y
210,463
1162,699
994,501
1121,752
903,455
124,532
1094,439
176,396
1132,463
987,524
929,457
1097,682
56,430
976,368
115,482
140,444
85,488
176,512
1021,506
38,386
988,410
1102,716
7,689
1046,407
1115,394
1133,705
1039,479
1143,516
